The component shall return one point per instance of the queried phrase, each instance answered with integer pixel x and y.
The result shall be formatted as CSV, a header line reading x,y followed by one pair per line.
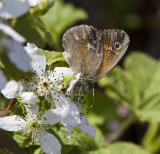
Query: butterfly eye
x,y
117,46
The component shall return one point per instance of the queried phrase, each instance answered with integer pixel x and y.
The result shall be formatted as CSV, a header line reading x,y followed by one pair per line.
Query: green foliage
x,y
9,68
103,109
60,17
23,141
79,140
67,79
42,7
31,27
53,57
39,151
137,86
151,140
120,148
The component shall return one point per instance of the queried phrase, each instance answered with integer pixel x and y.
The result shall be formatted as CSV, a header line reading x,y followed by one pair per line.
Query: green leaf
x,y
53,57
141,67
102,110
39,151
33,30
151,98
153,86
61,16
78,139
23,141
136,86
120,148
67,79
42,7
121,87
151,140
10,69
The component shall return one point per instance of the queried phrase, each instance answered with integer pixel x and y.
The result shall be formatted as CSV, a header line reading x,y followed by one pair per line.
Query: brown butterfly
x,y
93,52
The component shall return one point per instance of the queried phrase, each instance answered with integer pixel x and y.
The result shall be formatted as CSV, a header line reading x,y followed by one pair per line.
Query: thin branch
x,y
10,104
113,137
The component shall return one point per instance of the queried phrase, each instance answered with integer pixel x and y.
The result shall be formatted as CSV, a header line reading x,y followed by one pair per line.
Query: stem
x,y
151,140
115,135
10,104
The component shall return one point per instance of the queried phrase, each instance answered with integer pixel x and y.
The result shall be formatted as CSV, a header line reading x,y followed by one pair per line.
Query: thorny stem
x,y
113,137
10,104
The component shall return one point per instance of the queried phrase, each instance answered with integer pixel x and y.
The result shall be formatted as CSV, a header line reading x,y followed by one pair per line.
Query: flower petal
x,y
29,98
61,101
89,129
28,85
32,111
33,3
12,89
53,116
11,123
13,8
58,71
18,55
12,33
49,143
38,62
73,118
68,127
3,80
72,84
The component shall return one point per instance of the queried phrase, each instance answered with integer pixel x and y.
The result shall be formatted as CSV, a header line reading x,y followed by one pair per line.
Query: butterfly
x,y
93,52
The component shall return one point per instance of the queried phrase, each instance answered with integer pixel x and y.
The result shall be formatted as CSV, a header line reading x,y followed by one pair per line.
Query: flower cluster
x,y
11,42
42,83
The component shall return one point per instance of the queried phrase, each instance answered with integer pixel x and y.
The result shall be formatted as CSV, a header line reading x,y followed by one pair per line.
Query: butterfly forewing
x,y
83,50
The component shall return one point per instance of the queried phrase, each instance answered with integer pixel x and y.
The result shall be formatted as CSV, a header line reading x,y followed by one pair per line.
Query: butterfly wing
x,y
115,44
83,50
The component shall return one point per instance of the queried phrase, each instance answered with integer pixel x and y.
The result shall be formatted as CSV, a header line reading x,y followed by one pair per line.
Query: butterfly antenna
x,y
93,98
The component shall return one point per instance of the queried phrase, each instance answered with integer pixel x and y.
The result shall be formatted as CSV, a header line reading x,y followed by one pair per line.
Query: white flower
x,y
33,3
12,89
36,128
14,48
2,80
29,98
15,8
12,33
72,85
44,81
74,117
17,54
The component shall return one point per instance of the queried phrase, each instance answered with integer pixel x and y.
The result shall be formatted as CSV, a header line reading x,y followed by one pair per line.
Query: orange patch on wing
x,y
83,52
105,47
104,62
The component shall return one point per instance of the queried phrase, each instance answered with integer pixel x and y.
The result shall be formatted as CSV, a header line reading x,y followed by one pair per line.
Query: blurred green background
x,y
134,86
139,18
126,112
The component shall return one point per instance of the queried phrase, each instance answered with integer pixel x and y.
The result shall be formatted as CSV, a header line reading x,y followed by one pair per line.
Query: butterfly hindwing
x,y
115,44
